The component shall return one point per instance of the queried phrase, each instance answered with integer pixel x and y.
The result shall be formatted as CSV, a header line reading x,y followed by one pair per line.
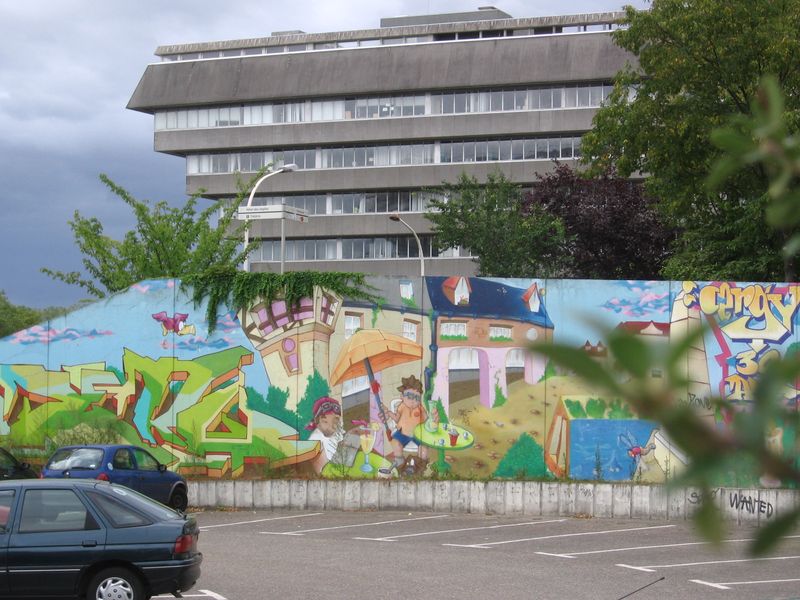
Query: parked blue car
x,y
130,466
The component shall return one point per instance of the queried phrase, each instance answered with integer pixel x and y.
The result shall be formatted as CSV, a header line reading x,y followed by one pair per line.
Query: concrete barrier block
x,y
315,494
767,505
352,495
424,494
225,495
566,499
243,494
298,494
495,497
640,502
584,499
407,495
477,497
603,500
207,493
442,496
515,502
387,495
785,501
262,494
192,493
621,500
532,498
334,495
550,495
658,502
459,496
370,495
694,499
280,493
676,503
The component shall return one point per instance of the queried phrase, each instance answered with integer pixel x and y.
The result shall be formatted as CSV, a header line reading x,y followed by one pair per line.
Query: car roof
x,y
50,482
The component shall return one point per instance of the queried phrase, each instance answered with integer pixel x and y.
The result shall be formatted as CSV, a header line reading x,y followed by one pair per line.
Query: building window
x,y
352,323
410,330
499,333
406,289
453,330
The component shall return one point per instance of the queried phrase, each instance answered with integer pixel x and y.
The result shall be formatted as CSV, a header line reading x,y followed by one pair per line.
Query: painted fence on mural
x,y
436,376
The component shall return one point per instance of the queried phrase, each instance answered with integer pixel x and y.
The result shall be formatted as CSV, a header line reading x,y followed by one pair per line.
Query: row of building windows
x,y
390,41
370,248
458,102
352,203
539,148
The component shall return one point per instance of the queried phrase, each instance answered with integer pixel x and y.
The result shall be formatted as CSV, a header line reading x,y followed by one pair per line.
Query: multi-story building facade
x,y
374,119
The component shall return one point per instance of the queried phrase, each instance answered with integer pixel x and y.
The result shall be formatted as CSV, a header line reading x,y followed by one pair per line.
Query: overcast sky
x,y
67,71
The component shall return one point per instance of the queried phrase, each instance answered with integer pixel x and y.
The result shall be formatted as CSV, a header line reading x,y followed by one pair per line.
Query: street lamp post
x,y
396,218
285,168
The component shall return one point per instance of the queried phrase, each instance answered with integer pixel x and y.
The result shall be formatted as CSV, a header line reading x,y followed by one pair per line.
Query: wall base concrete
x,y
530,498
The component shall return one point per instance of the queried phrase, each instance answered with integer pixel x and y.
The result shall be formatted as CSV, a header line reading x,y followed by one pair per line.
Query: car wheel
x,y
115,584
178,500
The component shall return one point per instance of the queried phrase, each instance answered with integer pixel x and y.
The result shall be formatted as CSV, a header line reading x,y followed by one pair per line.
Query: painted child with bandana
x,y
326,428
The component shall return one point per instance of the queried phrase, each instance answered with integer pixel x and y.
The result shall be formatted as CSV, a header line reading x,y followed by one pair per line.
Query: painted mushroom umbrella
x,y
371,350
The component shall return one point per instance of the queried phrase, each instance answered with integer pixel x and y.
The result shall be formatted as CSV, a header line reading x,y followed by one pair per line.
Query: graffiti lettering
x,y
769,313
750,504
697,497
696,402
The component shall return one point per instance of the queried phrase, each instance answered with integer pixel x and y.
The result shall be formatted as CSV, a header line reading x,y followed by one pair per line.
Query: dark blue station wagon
x,y
78,538
130,466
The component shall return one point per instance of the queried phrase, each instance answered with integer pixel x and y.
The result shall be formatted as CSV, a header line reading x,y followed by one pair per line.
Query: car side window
x,y
122,459
6,461
54,510
6,500
116,512
144,460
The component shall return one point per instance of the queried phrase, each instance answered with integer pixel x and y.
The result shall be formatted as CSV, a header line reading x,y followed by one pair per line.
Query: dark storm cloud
x,y
67,70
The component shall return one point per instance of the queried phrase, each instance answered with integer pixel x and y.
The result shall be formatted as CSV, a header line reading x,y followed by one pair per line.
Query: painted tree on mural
x,y
699,63
166,241
524,459
613,230
316,388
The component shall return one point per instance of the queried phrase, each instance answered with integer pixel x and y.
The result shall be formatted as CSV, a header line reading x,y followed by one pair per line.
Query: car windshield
x,y
76,458
150,507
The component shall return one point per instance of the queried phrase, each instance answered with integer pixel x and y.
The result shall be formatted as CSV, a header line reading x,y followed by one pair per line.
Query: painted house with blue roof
x,y
486,326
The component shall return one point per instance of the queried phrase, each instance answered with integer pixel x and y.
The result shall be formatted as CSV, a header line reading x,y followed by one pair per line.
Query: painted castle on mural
x,y
435,376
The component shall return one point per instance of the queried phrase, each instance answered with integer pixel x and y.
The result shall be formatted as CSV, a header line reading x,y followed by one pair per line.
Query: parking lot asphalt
x,y
253,555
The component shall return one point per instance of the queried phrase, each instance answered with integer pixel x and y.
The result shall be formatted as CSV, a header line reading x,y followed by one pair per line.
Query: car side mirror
x,y
162,468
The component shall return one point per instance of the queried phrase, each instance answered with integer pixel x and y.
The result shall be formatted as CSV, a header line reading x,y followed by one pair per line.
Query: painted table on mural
x,y
442,438
379,467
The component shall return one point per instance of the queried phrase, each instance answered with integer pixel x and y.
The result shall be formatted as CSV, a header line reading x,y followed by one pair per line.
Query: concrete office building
x,y
374,117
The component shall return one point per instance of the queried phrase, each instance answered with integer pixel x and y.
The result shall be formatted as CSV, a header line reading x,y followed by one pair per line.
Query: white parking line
x,y
609,550
202,594
652,568
392,538
726,585
487,545
304,531
204,527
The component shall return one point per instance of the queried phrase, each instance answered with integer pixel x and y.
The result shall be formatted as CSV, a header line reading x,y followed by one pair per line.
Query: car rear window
x,y
118,512
143,504
76,458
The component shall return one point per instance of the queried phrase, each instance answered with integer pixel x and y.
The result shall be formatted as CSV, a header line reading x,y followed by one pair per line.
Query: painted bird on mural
x,y
174,324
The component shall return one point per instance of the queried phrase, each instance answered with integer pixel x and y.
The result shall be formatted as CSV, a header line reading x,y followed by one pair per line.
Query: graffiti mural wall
x,y
434,377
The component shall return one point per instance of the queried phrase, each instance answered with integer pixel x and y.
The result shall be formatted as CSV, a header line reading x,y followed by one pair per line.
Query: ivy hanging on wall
x,y
242,289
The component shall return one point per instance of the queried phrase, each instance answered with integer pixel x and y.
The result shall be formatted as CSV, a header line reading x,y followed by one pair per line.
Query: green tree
x,y
165,242
492,220
15,318
698,63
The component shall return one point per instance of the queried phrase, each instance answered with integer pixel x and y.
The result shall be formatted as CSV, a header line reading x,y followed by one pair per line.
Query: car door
x,y
152,481
123,469
6,519
55,538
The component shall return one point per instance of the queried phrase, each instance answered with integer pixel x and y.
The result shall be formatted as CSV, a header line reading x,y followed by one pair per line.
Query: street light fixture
x,y
285,168
396,218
